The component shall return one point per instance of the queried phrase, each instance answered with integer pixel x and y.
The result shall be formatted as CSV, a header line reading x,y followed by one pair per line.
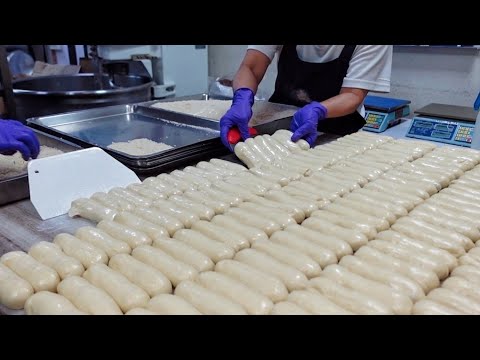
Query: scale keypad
x,y
464,134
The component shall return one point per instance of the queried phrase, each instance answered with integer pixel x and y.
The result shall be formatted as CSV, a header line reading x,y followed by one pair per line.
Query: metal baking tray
x,y
193,137
103,126
178,162
270,116
16,188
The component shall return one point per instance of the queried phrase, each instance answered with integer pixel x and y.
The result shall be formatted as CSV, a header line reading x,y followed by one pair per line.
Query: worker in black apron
x,y
14,136
308,85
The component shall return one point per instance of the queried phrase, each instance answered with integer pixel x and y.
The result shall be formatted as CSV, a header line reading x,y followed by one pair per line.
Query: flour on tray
x,y
139,147
209,109
215,109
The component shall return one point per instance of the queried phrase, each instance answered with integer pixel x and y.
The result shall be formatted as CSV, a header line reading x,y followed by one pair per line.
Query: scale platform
x,y
382,113
449,124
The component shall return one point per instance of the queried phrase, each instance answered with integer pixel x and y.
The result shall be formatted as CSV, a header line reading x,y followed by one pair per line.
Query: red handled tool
x,y
234,136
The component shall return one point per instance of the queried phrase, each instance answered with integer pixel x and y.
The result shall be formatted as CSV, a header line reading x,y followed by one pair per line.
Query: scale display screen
x,y
424,124
444,127
450,132
442,134
432,129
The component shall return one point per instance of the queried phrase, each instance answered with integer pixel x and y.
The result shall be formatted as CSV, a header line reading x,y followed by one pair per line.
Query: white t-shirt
x,y
370,66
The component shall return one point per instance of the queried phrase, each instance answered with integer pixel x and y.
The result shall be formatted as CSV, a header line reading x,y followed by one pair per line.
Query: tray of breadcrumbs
x,y
150,136
13,169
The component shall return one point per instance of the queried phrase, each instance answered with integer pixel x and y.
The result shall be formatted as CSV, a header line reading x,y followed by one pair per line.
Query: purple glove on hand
x,y
14,136
238,115
305,122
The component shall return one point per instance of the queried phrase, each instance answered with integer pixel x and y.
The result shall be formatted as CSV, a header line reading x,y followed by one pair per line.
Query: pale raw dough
x,y
251,233
288,308
139,147
167,304
175,270
140,311
126,294
254,302
289,256
14,290
41,277
266,284
147,277
184,253
316,303
399,303
215,250
15,165
207,301
291,277
49,303
88,298
51,255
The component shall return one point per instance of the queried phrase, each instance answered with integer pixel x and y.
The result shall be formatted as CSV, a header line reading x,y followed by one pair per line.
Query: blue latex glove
x,y
305,121
238,115
14,136
476,105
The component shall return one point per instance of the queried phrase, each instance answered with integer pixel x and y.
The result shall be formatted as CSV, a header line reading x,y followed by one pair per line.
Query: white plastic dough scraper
x,y
58,180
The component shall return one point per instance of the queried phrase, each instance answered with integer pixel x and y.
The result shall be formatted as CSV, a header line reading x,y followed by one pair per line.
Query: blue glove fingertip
x,y
311,138
243,128
23,149
296,136
224,137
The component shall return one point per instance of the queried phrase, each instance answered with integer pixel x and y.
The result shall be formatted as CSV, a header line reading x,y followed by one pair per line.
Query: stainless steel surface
x,y
191,136
101,127
48,95
16,188
464,113
265,111
270,116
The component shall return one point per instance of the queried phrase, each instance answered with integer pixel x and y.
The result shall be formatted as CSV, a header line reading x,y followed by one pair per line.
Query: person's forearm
x,y
245,78
251,71
345,103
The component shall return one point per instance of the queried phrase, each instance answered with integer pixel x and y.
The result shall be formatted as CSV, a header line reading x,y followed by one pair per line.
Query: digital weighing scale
x,y
448,124
382,113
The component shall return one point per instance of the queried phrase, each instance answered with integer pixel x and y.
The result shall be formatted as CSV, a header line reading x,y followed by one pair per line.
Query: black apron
x,y
299,82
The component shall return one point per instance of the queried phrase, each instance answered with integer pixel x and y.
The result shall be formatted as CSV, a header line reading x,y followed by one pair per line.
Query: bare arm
x,y
344,103
251,71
